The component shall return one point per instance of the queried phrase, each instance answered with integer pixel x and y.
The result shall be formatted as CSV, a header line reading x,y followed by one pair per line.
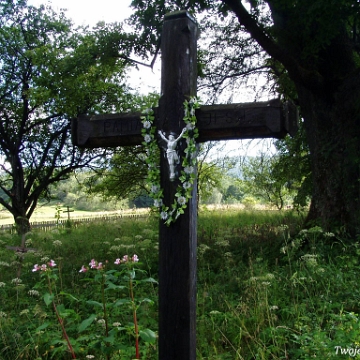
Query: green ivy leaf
x,y
86,323
148,336
48,298
95,303
42,327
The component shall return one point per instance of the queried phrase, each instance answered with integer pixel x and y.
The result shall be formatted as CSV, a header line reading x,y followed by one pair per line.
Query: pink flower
x,y
99,266
93,264
52,263
126,259
36,268
43,267
83,269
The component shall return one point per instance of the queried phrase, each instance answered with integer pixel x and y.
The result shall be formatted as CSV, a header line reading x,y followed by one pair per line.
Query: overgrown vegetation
x,y
266,290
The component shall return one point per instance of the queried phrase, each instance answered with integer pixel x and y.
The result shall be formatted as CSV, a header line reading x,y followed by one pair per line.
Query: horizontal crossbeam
x,y
215,122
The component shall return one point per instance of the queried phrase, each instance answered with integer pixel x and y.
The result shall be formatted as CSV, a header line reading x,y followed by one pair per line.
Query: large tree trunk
x,y
332,124
22,224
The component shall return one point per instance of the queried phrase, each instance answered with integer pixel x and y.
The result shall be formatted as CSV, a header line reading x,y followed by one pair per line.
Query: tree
x,y
234,193
124,176
50,73
293,167
211,170
310,48
265,181
126,173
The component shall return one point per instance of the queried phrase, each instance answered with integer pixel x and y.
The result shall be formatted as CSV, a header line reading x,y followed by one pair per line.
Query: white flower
x,y
2,284
270,276
190,126
187,185
28,242
115,248
154,188
101,322
329,234
181,200
142,157
147,138
189,169
147,124
33,293
157,202
164,215
57,243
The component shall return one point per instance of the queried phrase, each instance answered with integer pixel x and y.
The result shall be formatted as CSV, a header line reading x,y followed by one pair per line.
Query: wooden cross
x,y
177,250
68,211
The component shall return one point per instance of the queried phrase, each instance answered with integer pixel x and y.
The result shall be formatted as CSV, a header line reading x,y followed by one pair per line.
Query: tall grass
x,y
266,290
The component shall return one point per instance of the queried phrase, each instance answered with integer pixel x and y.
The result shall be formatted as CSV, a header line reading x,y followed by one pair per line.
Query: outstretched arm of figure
x,y
182,133
162,136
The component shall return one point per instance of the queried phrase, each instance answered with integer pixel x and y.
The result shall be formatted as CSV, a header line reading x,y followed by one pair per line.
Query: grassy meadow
x,y
266,290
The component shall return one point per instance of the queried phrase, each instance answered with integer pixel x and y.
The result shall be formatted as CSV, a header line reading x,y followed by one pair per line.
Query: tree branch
x,y
296,72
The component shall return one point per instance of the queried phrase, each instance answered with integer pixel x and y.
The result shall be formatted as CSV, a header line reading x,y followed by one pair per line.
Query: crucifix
x,y
177,250
68,211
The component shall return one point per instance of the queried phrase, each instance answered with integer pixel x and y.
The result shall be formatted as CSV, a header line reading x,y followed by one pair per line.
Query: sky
x,y
145,80
87,12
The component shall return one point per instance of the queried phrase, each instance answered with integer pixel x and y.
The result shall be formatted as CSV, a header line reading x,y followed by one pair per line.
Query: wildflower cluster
x,y
44,267
93,264
169,214
127,259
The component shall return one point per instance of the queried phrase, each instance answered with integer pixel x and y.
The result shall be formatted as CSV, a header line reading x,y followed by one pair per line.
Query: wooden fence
x,y
74,221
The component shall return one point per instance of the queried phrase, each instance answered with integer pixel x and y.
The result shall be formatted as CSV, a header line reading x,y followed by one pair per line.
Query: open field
x,y
266,290
47,213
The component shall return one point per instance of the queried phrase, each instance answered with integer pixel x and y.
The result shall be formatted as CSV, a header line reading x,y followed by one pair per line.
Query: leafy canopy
x,y
51,72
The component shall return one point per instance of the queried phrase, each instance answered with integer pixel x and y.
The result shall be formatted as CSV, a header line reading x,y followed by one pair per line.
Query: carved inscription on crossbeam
x,y
215,122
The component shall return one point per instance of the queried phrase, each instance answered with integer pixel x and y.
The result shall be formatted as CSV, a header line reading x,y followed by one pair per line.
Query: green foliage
x,y
293,167
169,213
50,73
309,53
265,179
266,289
210,171
125,174
94,309
124,177
76,193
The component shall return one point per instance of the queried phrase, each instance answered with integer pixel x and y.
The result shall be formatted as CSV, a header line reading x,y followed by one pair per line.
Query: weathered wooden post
x,y
177,258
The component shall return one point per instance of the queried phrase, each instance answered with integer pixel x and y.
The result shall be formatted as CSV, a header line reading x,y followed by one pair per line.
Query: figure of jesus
x,y
171,154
